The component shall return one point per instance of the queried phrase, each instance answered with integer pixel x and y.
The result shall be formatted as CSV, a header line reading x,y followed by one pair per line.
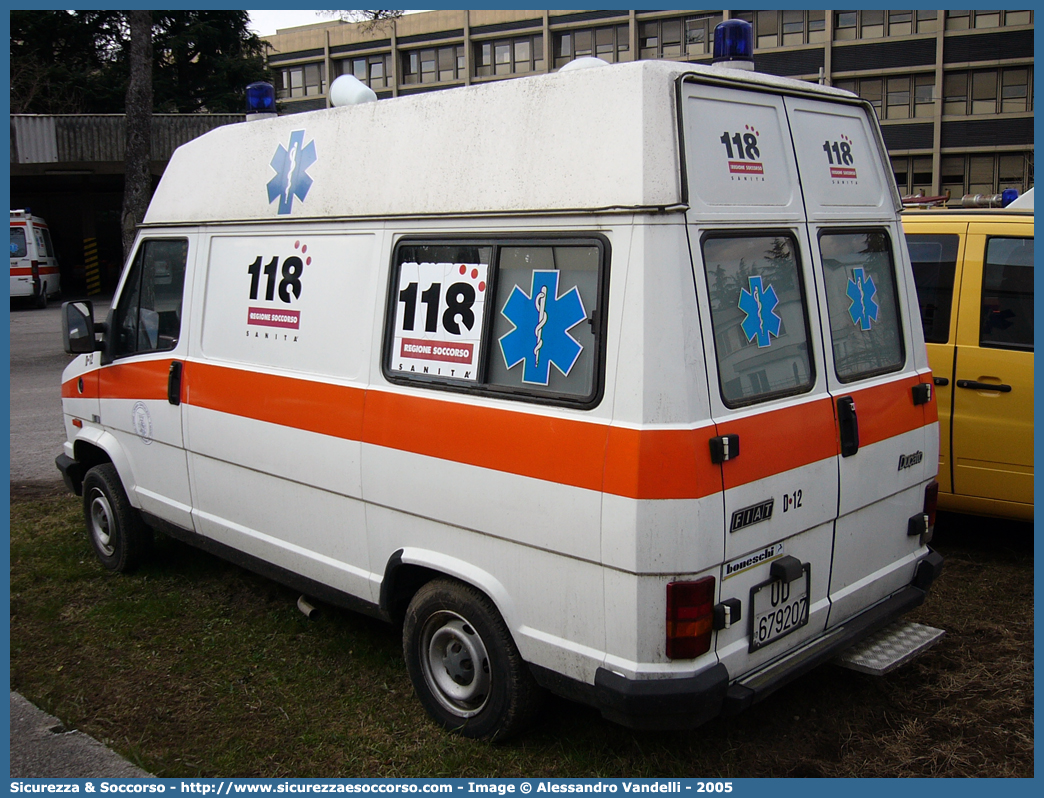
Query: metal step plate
x,y
891,647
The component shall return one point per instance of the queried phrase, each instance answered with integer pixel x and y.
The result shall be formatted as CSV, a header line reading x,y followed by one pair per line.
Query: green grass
x,y
194,667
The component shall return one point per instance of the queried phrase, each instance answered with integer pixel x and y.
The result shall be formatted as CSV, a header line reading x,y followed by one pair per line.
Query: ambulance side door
x,y
139,383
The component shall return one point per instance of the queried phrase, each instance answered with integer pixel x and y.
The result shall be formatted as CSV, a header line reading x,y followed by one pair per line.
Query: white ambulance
x,y
34,267
608,382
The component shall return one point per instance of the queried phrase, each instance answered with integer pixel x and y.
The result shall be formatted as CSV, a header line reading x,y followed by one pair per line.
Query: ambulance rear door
x,y
774,417
875,350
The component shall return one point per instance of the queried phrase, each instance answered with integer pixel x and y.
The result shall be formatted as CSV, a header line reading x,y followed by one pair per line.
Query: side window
x,y
859,274
47,243
148,314
759,316
503,316
18,248
934,259
1007,294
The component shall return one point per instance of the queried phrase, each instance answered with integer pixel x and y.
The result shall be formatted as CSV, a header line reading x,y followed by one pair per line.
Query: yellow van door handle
x,y
984,386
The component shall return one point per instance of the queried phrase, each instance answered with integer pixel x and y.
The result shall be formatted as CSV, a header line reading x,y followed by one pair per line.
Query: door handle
x,y
849,425
984,386
174,383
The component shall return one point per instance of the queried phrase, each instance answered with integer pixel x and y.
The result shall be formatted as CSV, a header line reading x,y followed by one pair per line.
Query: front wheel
x,y
119,537
465,668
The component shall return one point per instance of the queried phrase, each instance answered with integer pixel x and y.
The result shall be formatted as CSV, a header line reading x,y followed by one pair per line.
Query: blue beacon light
x,y
260,98
734,44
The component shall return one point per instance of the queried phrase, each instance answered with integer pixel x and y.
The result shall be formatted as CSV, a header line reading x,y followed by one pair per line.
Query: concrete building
x,y
68,168
953,89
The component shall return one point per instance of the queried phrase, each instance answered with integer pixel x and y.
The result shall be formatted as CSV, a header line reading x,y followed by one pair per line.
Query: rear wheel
x,y
464,666
119,536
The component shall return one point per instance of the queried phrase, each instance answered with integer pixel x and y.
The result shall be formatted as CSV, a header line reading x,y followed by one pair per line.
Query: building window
x,y
849,25
305,80
1015,91
516,56
924,95
699,34
900,23
984,92
433,65
611,44
904,97
845,25
373,70
872,24
898,106
767,29
662,38
965,20
922,175
927,21
952,176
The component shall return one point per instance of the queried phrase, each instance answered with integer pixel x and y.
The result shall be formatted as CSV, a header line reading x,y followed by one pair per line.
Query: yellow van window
x,y
934,259
1007,294
865,330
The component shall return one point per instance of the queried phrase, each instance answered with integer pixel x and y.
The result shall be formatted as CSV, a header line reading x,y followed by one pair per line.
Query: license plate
x,y
778,608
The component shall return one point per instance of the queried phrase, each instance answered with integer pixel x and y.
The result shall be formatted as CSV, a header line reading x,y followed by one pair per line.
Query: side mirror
x,y
78,327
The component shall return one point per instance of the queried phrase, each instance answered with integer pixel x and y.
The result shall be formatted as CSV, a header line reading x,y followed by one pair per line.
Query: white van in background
x,y
608,382
34,267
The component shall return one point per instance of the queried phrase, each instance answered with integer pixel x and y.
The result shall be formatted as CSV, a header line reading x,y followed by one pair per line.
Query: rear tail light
x,y
931,503
35,266
690,616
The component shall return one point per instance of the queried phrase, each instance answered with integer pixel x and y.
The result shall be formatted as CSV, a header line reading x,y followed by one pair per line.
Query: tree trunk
x,y
137,184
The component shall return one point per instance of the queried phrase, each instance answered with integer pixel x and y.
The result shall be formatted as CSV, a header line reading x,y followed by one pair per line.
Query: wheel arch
x,y
92,450
409,569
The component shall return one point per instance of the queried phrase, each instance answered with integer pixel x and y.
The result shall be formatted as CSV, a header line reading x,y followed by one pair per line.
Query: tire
x,y
41,300
465,668
121,540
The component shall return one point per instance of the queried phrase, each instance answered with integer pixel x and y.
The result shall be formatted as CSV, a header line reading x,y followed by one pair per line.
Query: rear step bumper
x,y
687,703
753,688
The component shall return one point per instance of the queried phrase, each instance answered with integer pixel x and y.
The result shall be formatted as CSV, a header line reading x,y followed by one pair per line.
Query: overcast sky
x,y
265,23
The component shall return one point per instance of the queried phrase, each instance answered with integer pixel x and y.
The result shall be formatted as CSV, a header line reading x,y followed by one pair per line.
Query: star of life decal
x,y
759,303
542,321
291,166
861,290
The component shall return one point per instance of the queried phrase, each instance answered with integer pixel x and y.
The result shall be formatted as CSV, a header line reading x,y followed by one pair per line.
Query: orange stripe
x,y
288,401
140,380
885,411
554,449
27,271
661,464
781,440
637,464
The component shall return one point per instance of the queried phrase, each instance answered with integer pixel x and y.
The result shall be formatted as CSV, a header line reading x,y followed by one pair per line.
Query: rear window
x,y
757,302
865,329
1007,294
934,259
18,249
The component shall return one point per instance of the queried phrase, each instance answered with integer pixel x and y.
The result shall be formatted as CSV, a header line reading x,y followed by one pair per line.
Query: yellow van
x,y
974,276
